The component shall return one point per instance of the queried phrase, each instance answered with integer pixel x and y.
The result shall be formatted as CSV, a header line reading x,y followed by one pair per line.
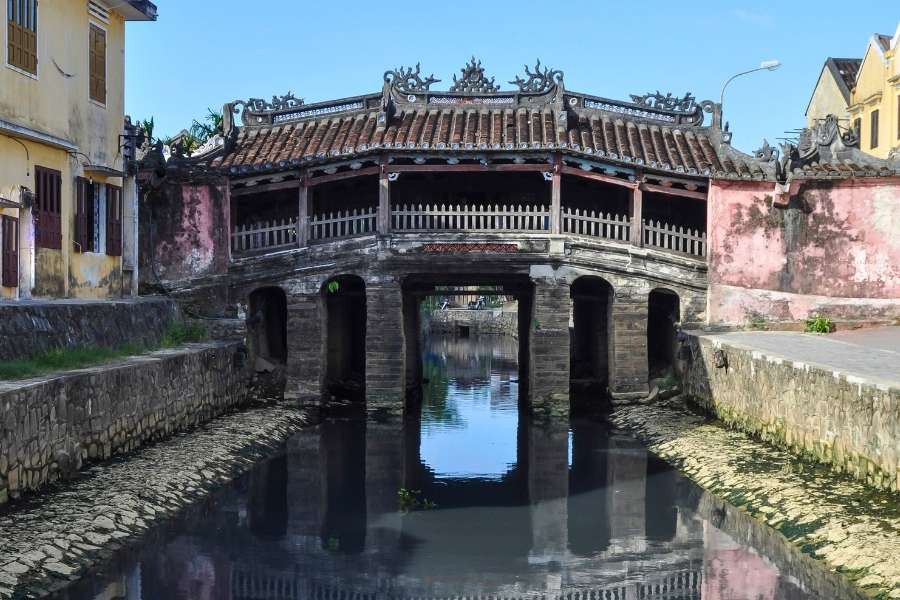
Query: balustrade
x,y
488,218
266,235
277,234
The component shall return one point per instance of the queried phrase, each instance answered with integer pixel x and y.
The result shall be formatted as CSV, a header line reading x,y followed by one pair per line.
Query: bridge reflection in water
x,y
547,510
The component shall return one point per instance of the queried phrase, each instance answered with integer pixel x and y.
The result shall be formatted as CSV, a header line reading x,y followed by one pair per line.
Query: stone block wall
x,y
549,348
816,413
488,321
49,427
27,328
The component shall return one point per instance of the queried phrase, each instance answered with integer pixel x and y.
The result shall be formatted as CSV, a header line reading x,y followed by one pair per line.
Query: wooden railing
x,y
343,224
267,235
470,218
594,224
674,239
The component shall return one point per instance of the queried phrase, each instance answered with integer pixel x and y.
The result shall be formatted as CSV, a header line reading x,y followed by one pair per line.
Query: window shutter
x,y
113,220
82,187
9,231
97,64
21,34
874,126
48,184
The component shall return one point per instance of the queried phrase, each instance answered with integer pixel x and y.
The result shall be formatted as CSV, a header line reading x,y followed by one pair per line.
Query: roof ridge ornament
x,y
474,80
686,104
278,103
407,79
541,80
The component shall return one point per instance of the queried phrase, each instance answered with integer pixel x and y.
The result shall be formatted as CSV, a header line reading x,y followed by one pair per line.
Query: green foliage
x,y
211,124
148,125
819,324
333,286
410,500
177,334
62,359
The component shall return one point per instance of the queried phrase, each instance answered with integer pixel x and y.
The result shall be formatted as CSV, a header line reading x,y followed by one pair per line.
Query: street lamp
x,y
766,65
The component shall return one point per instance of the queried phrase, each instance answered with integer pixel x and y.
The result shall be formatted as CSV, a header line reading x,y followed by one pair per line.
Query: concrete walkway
x,y
869,354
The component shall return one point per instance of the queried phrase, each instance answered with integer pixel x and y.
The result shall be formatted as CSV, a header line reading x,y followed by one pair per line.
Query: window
x,y
873,124
857,127
47,208
898,117
97,62
9,248
113,220
21,34
98,218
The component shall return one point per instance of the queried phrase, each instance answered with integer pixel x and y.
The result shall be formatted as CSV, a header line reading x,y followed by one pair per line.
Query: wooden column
x,y
384,202
637,216
303,215
556,200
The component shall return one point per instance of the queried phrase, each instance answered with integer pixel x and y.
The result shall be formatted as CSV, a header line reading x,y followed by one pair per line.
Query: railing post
x,y
303,216
384,202
555,199
637,216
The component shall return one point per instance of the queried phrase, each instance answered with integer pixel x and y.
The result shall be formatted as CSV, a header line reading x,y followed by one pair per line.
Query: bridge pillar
x,y
548,490
305,367
548,339
629,370
385,476
385,348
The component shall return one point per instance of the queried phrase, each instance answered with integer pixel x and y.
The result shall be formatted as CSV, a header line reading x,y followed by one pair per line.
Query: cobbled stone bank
x,y
52,540
842,522
51,426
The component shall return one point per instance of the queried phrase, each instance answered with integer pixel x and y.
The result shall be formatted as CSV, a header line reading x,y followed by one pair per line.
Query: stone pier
x,y
305,348
385,347
628,348
549,348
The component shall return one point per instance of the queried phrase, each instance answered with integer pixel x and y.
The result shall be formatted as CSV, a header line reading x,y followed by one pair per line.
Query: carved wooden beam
x,y
594,176
265,187
673,191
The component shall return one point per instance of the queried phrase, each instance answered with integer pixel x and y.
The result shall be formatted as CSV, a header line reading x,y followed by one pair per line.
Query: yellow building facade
x,y
875,98
67,206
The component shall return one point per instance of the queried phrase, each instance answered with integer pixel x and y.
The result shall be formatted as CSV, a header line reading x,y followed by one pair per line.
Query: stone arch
x,y
344,298
591,326
267,324
663,312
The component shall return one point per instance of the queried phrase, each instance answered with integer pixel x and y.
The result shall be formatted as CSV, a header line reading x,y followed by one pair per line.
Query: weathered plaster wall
x,y
185,232
49,427
814,412
835,240
827,99
29,328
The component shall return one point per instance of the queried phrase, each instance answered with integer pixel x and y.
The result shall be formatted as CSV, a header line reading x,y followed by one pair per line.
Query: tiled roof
x,y
681,149
844,71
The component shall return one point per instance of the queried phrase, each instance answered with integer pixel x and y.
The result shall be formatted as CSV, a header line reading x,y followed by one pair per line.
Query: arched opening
x,y
663,313
267,323
345,310
589,345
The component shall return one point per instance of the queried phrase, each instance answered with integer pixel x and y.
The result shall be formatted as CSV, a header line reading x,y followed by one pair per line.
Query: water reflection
x,y
574,510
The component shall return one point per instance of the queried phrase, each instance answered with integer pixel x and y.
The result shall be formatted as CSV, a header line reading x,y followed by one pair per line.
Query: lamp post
x,y
766,65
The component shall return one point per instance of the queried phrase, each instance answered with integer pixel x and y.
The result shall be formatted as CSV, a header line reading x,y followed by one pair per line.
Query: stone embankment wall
x,y
814,412
487,321
27,328
50,426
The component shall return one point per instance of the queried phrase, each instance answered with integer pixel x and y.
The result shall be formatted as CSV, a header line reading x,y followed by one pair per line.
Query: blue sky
x,y
203,53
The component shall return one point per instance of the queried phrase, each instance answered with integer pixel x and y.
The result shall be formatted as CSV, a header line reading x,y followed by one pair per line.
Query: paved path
x,y
872,354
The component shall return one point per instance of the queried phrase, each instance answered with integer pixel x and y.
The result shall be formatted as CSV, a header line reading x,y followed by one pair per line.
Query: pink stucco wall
x,y
188,230
834,249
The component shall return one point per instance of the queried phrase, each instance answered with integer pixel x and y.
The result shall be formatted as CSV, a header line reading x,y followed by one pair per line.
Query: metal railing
x,y
343,224
674,239
593,224
266,235
489,218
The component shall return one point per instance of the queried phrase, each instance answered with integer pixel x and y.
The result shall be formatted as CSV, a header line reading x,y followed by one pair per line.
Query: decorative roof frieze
x,y
409,80
542,79
473,80
685,104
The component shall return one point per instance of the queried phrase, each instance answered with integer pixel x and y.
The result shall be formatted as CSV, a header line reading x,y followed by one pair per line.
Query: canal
x,y
469,498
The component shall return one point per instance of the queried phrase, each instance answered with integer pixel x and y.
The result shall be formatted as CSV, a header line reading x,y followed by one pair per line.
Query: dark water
x,y
497,506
